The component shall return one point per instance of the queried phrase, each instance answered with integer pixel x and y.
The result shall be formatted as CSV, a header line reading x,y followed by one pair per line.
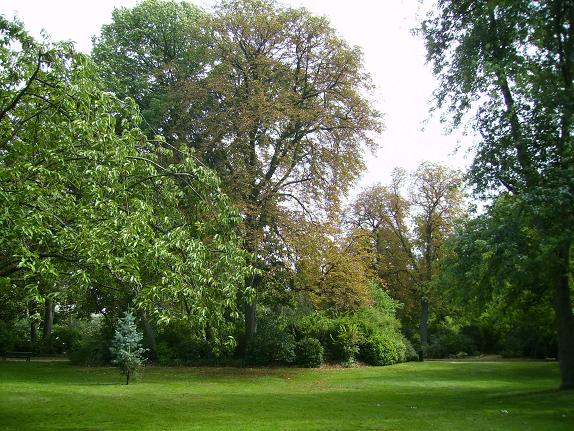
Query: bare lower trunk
x,y
33,327
149,334
564,319
250,320
49,308
423,326
33,332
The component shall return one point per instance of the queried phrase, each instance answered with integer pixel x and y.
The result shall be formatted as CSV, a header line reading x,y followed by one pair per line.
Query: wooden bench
x,y
18,355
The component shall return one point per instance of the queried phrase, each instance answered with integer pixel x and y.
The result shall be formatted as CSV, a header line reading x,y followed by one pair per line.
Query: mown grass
x,y
416,396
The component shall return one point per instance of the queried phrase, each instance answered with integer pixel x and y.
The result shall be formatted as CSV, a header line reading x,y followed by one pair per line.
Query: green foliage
x,y
345,338
127,351
90,343
15,335
273,342
506,68
503,290
309,353
314,325
383,303
91,211
372,335
380,349
178,344
382,342
410,354
447,342
146,51
246,87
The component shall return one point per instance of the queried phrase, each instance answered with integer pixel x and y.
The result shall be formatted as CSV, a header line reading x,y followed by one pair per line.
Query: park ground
x,y
436,395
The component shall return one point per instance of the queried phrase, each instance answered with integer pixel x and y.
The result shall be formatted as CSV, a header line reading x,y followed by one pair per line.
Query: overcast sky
x,y
382,28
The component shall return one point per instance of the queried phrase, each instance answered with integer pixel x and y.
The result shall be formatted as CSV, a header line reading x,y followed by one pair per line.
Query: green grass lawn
x,y
415,396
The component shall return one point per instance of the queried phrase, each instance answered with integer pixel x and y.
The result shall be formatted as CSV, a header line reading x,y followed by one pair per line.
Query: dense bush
x,y
309,353
449,342
178,345
346,338
410,352
447,339
192,351
318,326
15,335
383,342
525,339
273,342
372,335
90,343
381,349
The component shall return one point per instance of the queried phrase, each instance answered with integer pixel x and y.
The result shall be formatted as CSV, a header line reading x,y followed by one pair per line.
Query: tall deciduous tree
x,y
383,213
89,208
281,115
511,66
437,201
292,117
408,232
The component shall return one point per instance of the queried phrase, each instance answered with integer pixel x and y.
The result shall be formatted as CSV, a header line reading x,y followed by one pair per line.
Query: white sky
x,y
393,56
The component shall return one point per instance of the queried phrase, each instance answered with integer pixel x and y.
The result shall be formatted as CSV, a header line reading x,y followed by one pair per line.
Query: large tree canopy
x,y
510,65
147,50
281,114
88,208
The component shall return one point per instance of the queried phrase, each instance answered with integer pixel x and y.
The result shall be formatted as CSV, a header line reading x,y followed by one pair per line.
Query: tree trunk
x,y
423,327
33,326
250,320
428,256
49,308
564,318
33,332
379,244
250,309
149,336
128,378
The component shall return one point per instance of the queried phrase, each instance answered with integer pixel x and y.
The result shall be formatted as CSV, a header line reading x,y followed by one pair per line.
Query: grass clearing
x,y
433,396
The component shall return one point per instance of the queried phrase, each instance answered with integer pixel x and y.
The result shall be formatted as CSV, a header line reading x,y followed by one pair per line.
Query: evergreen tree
x,y
126,347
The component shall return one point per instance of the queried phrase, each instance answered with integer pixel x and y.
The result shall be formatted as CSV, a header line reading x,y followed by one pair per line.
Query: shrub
x,y
65,336
90,344
166,354
448,337
309,353
410,352
319,327
178,343
273,342
346,338
381,349
449,342
15,335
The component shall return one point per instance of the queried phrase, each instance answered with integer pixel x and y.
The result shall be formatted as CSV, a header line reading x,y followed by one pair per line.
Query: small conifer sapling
x,y
126,349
